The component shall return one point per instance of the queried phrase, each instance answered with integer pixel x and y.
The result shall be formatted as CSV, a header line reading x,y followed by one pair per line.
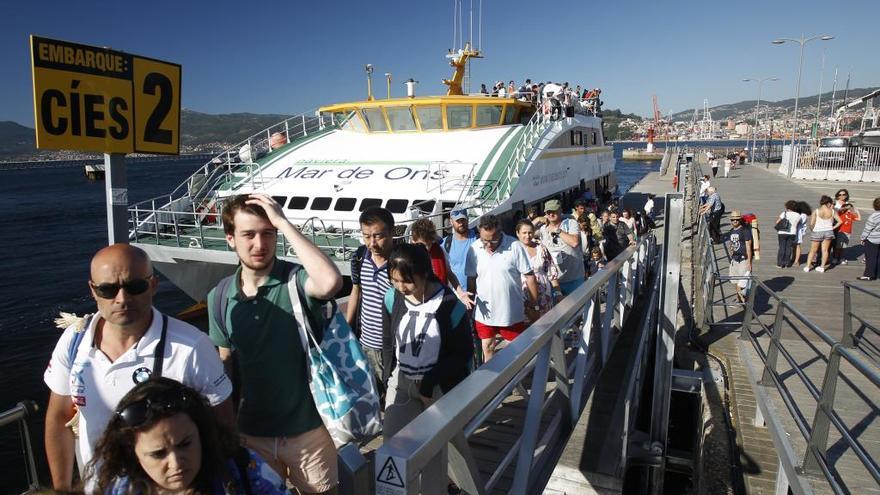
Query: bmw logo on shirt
x,y
141,375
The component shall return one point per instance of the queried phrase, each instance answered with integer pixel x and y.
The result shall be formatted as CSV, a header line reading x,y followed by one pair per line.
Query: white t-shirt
x,y
499,298
793,218
96,385
704,186
418,337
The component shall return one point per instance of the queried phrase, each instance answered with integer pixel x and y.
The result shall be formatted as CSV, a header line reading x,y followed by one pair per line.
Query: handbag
x,y
783,225
340,378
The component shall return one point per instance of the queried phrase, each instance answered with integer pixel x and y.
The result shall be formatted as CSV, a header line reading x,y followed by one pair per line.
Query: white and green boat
x,y
415,156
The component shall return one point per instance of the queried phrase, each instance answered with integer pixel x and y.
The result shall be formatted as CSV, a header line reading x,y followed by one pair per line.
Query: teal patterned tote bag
x,y
340,378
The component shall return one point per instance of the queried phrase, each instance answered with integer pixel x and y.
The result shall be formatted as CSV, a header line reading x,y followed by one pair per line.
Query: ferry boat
x,y
415,156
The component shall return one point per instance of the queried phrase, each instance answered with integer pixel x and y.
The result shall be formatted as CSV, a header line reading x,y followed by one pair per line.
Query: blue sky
x,y
293,56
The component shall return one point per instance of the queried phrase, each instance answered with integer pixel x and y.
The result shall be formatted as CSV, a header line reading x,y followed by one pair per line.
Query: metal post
x,y
818,441
533,422
847,339
589,316
116,189
304,125
773,347
782,485
746,330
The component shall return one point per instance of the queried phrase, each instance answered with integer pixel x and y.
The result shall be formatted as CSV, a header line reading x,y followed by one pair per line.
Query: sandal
x,y
864,278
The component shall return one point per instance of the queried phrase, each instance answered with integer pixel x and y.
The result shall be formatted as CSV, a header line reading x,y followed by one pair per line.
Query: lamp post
x,y
760,82
803,41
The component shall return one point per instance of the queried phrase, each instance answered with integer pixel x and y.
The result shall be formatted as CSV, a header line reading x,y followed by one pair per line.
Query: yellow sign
x,y
94,99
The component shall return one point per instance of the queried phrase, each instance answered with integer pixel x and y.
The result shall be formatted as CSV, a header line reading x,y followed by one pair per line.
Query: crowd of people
x,y
830,227
142,402
560,99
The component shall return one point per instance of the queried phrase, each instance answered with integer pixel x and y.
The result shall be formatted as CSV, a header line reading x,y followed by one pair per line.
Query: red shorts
x,y
508,333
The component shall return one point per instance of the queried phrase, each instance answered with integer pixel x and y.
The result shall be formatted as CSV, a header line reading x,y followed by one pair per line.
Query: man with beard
x,y
251,313
458,243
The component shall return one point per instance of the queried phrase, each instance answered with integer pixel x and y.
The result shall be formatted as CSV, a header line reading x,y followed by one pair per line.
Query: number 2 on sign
x,y
154,132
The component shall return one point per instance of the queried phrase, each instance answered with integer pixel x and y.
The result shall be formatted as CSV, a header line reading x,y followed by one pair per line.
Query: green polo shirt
x,y
276,400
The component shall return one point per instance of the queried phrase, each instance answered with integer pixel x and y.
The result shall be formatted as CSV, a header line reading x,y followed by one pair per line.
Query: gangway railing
x,y
856,338
21,415
795,470
597,310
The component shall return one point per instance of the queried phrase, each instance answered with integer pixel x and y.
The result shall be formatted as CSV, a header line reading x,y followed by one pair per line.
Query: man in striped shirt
x,y
369,282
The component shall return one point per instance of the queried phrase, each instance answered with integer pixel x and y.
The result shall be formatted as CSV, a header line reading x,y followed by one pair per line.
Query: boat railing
x,y
21,415
804,454
236,166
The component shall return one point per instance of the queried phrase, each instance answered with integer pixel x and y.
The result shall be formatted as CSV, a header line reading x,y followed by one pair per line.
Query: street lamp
x,y
760,82
803,41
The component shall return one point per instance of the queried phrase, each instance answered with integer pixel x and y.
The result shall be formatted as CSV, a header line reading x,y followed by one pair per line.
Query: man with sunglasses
x,y
124,344
277,417
562,238
494,265
740,240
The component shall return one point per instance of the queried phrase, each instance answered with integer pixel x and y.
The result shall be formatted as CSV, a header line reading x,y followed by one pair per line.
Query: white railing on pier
x,y
597,312
855,163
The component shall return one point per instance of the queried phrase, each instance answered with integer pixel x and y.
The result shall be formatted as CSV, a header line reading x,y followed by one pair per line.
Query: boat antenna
x,y
480,28
369,70
454,26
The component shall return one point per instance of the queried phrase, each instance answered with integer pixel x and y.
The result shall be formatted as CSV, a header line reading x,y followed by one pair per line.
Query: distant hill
x,y
197,129
15,139
203,128
806,102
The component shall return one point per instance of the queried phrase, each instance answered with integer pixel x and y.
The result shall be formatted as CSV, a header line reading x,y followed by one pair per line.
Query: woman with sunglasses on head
x,y
424,233
164,438
431,338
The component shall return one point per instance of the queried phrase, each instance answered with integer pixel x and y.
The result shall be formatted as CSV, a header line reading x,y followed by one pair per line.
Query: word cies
x,y
95,99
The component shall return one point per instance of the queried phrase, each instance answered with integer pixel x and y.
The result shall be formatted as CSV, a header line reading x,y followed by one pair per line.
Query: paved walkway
x,y
819,297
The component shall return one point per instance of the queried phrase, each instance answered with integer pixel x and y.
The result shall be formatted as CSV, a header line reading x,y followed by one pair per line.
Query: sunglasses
x,y
137,413
131,287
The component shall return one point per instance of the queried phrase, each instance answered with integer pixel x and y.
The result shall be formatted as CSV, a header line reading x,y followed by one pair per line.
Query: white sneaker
x,y
820,269
807,268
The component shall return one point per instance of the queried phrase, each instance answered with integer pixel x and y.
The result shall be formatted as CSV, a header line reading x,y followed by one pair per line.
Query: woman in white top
x,y
788,235
546,271
822,223
804,211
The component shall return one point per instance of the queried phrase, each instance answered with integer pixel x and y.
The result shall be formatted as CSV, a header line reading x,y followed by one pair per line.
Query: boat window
x,y
281,200
344,204
510,116
369,203
401,118
321,203
595,137
576,138
430,118
348,121
833,142
488,115
397,205
375,120
458,116
424,205
298,203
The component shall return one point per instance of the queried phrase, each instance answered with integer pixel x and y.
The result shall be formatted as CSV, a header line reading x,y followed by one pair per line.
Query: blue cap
x,y
456,214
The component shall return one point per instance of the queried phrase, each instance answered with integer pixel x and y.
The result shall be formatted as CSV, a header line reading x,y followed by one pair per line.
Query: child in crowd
x,y
848,214
596,262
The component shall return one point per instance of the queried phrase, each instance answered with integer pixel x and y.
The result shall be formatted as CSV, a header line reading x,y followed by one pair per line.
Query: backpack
x,y
447,241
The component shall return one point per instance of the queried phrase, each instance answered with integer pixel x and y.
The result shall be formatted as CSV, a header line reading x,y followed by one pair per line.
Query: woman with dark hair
x,y
871,240
789,219
430,335
423,232
164,438
822,223
804,212
545,269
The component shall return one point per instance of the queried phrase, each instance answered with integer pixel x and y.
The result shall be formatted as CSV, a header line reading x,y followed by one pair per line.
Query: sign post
x,y
89,98
116,187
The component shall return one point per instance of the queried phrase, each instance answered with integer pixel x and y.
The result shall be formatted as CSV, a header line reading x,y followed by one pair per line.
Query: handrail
x,y
850,338
421,446
814,434
21,414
